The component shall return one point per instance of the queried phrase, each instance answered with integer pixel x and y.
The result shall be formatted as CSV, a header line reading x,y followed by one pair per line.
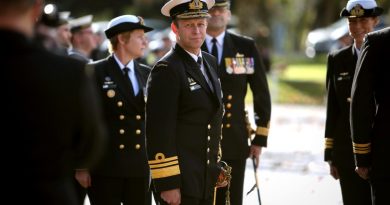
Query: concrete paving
x,y
292,170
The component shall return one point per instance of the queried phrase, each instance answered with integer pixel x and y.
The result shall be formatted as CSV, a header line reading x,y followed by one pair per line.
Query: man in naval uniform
x,y
370,114
83,39
122,176
184,111
239,65
340,71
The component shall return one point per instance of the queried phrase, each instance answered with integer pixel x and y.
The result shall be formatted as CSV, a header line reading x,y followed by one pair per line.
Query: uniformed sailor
x,y
239,65
362,17
122,176
184,111
370,114
83,39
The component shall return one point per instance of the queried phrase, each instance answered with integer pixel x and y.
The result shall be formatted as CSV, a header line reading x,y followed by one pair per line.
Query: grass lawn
x,y
297,84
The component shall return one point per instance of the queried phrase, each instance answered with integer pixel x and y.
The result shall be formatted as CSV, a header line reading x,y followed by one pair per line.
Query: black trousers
x,y
116,190
186,200
354,189
237,183
380,190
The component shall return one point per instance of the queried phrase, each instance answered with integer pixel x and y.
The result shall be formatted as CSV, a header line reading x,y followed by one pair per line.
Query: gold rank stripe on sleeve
x,y
361,148
328,143
262,131
163,167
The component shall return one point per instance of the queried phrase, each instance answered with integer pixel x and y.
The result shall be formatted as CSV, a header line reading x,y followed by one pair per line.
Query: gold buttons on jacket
x,y
228,105
138,117
208,161
228,115
349,100
120,103
208,138
228,125
111,93
229,97
208,149
121,146
208,126
121,131
137,146
138,132
121,117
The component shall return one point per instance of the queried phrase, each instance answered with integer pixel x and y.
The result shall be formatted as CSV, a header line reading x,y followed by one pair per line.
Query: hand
x,y
222,180
363,172
83,177
255,152
222,184
333,171
172,197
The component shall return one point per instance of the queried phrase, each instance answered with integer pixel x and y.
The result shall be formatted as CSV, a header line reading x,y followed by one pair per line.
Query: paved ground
x,y
292,170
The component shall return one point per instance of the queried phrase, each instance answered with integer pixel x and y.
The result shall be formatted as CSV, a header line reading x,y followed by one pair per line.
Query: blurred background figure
x,y
83,38
101,51
160,46
362,18
63,31
49,28
52,115
83,42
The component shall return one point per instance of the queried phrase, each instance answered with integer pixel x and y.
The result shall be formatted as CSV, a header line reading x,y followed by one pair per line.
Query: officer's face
x,y
359,27
190,33
220,17
134,43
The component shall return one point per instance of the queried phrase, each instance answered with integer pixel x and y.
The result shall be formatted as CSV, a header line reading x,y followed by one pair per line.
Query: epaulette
x,y
161,64
144,66
242,36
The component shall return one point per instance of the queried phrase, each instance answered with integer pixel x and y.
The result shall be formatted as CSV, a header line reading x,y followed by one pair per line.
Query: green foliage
x,y
300,84
297,84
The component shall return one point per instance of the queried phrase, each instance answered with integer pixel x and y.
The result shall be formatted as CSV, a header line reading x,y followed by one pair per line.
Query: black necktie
x,y
202,69
126,71
214,48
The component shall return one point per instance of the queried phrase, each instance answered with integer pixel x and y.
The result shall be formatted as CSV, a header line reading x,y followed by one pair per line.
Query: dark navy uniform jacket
x,y
124,113
340,71
370,108
183,127
53,122
249,69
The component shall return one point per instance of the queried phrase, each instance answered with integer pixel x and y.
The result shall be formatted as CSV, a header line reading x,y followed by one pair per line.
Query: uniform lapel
x,y
117,74
140,79
193,69
214,79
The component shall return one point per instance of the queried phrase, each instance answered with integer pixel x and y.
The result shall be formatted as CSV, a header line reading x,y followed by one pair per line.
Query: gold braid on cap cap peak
x,y
189,15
